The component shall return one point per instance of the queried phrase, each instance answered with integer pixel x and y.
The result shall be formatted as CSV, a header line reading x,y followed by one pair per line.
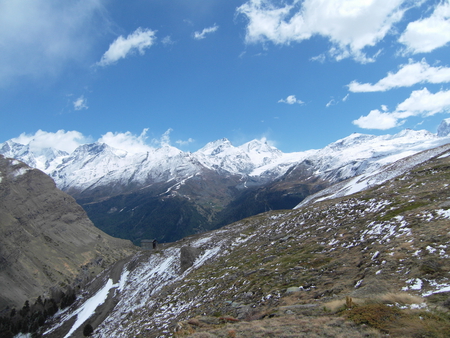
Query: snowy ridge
x,y
98,165
377,177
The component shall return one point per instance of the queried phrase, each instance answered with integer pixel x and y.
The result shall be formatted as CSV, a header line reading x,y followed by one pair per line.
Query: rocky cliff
x,y
46,240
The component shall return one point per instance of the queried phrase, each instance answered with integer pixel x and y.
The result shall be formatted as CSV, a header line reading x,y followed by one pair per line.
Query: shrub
x,y
375,315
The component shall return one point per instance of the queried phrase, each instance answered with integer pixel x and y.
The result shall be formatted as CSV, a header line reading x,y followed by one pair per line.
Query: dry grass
x,y
342,303
402,298
289,326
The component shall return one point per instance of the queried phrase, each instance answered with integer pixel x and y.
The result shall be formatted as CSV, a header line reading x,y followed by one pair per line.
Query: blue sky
x,y
301,74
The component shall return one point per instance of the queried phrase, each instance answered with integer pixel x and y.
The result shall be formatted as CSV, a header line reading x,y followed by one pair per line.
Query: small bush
x,y
375,315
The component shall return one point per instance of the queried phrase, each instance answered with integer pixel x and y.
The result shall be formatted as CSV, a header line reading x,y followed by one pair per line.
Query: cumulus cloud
x,y
62,140
408,75
425,35
127,141
80,103
40,37
377,120
291,99
139,40
201,35
350,25
420,103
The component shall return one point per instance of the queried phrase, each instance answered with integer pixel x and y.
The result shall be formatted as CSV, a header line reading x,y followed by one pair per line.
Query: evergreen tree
x,y
88,330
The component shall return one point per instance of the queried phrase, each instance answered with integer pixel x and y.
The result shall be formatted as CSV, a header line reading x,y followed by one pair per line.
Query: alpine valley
x,y
360,248
167,194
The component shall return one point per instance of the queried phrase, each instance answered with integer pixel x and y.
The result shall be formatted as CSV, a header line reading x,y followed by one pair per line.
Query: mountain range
x,y
167,194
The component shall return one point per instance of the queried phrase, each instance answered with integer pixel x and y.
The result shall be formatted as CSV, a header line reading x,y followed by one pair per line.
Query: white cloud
x,y
127,141
319,58
377,120
351,25
139,40
165,138
167,40
420,103
291,99
332,102
183,143
201,35
62,140
80,103
408,75
425,35
345,98
40,37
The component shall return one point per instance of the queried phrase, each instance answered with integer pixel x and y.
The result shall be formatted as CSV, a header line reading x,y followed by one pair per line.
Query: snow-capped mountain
x,y
218,184
222,155
97,165
41,159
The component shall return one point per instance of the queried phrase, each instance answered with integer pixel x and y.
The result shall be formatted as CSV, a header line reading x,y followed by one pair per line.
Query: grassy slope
x,y
373,247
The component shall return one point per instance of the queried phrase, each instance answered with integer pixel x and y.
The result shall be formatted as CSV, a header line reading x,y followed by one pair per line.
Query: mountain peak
x,y
216,147
444,128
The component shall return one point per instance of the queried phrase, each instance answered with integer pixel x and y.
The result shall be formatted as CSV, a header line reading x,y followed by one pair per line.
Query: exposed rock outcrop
x,y
46,239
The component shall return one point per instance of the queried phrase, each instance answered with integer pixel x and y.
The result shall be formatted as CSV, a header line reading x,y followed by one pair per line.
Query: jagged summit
x,y
216,147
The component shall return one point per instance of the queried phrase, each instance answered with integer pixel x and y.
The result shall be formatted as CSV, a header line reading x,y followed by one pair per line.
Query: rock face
x,y
46,238
188,255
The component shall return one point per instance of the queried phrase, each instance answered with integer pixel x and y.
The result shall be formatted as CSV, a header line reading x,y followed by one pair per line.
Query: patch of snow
x,y
85,311
444,155
123,280
333,242
20,171
88,308
430,249
443,213
375,255
23,335
200,241
444,287
414,284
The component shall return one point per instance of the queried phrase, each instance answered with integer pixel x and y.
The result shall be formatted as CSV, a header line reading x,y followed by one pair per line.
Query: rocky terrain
x,y
47,242
372,262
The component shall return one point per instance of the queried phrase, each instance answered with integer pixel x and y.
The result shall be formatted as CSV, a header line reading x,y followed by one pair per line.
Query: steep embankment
x,y
379,257
46,239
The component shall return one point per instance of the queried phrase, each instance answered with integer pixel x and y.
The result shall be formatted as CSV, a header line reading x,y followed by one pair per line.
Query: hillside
x,y
47,242
379,257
